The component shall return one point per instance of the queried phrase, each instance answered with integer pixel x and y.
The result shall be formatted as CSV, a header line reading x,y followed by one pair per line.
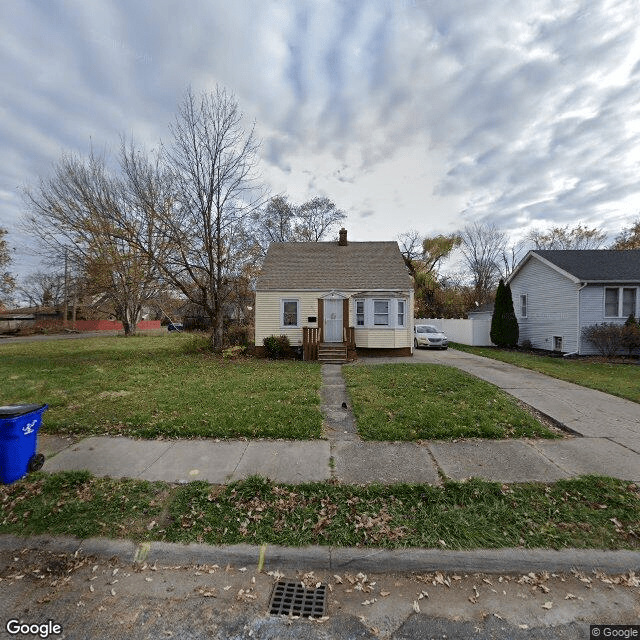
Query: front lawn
x,y
588,512
167,385
425,402
618,379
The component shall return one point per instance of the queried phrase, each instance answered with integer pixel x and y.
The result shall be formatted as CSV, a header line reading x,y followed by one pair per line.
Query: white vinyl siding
x,y
593,308
552,306
383,338
269,310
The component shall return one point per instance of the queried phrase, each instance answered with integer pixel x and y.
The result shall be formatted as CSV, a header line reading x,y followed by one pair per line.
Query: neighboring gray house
x,y
333,298
558,292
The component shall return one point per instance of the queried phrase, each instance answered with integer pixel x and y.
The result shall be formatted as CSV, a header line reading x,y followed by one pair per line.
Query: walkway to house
x,y
606,441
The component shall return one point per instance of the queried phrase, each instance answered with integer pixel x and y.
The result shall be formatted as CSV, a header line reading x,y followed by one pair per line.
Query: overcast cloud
x,y
419,114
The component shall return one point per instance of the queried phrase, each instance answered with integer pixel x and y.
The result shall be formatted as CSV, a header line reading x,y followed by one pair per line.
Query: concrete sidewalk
x,y
606,442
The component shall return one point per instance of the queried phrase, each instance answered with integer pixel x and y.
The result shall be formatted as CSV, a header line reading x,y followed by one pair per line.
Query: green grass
x,y
166,385
618,379
587,512
76,503
423,402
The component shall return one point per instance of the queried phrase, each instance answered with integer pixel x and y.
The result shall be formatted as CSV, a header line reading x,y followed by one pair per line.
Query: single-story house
x,y
556,293
334,299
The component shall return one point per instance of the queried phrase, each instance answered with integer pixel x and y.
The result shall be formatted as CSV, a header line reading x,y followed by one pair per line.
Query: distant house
x,y
558,292
336,298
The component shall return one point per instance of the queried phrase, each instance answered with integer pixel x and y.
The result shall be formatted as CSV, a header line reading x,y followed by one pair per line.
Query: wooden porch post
x,y
320,320
345,320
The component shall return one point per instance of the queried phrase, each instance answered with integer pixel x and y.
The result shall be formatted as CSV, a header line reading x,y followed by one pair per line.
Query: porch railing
x,y
349,337
310,339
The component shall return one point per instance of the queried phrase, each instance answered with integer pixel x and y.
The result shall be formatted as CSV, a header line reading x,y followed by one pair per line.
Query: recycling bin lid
x,y
15,410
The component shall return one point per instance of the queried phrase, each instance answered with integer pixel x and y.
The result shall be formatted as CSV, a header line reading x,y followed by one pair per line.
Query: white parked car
x,y
426,335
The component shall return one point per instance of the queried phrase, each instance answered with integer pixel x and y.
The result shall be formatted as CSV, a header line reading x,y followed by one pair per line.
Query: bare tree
x,y
205,242
482,247
83,210
316,219
43,289
629,238
577,237
274,223
410,244
7,281
510,257
283,221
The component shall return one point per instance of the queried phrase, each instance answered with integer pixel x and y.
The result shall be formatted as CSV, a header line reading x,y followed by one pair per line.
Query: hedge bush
x,y
606,337
277,347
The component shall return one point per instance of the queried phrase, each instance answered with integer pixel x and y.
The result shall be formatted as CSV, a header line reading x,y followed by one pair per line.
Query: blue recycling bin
x,y
19,424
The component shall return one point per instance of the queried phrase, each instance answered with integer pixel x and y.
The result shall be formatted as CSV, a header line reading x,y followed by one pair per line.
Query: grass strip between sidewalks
x,y
586,512
431,401
617,378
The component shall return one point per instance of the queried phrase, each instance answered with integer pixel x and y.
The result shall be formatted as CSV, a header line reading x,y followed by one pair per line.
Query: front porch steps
x,y
332,352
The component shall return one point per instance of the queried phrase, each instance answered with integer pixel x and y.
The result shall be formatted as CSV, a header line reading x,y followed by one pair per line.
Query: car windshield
x,y
426,328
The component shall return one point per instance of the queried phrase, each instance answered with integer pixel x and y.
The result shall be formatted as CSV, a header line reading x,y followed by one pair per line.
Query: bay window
x,y
380,312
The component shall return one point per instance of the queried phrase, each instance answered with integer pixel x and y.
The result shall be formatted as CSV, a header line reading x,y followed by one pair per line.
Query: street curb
x,y
335,559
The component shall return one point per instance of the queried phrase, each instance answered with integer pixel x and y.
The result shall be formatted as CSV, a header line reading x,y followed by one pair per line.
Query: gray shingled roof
x,y
324,266
596,265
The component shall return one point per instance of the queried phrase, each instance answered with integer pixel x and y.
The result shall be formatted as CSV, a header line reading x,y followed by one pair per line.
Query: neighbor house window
x,y
289,313
628,302
380,312
360,313
611,302
401,313
523,305
619,302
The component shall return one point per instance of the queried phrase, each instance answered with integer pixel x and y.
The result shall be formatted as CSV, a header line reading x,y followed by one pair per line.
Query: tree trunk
x,y
219,330
129,319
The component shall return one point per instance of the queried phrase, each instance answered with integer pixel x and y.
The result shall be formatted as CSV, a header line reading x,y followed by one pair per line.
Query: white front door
x,y
333,320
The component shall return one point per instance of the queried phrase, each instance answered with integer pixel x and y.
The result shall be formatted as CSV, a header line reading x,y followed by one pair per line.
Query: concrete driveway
x,y
608,428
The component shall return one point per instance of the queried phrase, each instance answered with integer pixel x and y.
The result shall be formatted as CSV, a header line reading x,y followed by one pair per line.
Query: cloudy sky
x,y
424,114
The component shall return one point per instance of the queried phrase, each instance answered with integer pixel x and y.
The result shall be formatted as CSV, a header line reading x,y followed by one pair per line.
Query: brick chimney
x,y
343,237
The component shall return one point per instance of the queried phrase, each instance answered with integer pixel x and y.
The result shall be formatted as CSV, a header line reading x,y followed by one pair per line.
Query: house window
x,y
619,302
611,302
380,312
523,305
557,343
628,302
289,313
360,313
401,313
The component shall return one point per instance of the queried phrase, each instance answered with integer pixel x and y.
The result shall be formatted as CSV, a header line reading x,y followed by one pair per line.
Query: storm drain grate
x,y
293,598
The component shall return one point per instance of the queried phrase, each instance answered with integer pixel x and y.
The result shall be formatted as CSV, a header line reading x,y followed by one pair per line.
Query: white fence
x,y
472,331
